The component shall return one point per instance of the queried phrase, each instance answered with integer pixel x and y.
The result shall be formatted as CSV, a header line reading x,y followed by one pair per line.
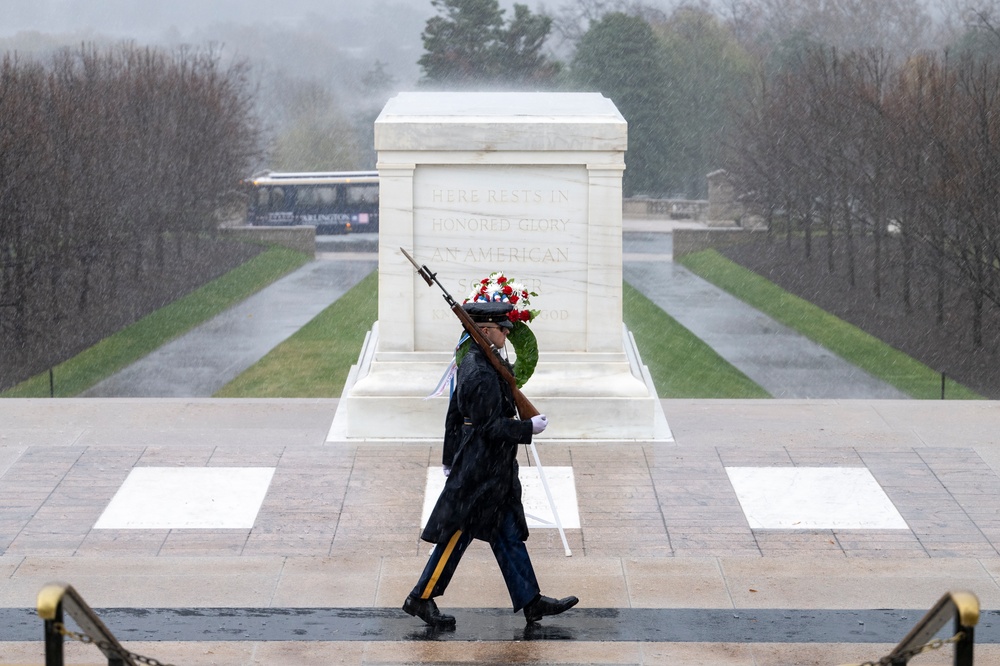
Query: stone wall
x,y
722,203
302,238
689,241
666,209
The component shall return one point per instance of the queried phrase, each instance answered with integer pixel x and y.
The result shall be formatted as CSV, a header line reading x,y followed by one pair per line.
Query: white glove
x,y
538,423
446,470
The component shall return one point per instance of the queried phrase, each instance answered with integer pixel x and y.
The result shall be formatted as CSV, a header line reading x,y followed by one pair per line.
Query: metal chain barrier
x,y
936,644
125,654
904,658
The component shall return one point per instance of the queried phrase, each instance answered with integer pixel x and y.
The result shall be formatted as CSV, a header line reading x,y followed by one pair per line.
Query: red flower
x,y
501,280
514,299
484,281
507,290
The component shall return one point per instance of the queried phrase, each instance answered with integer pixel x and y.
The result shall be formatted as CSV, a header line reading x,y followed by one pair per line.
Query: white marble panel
x,y
528,221
156,498
537,509
811,498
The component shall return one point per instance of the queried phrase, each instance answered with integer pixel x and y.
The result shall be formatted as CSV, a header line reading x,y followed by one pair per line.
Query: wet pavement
x,y
780,360
619,625
667,564
202,361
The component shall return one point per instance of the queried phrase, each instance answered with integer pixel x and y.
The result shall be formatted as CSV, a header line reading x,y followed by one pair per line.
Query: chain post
x,y
964,645
54,639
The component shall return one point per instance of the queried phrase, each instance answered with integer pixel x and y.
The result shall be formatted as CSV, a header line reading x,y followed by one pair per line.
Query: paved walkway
x,y
207,358
780,360
668,564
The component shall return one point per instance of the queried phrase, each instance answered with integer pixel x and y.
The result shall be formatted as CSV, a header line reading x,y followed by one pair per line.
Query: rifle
x,y
525,409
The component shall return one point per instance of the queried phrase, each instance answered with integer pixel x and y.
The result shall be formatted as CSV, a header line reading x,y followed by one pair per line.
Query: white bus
x,y
335,202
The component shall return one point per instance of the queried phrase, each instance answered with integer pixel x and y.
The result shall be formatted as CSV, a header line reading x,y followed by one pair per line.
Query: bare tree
x,y
897,26
103,149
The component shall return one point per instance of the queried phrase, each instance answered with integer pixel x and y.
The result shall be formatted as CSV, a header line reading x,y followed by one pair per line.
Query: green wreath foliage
x,y
522,339
526,347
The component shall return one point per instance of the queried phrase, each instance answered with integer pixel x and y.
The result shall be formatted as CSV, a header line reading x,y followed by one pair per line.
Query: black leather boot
x,y
543,606
428,611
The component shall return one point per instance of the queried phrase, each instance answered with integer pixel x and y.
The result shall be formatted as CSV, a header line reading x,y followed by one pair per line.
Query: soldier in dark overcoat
x,y
482,494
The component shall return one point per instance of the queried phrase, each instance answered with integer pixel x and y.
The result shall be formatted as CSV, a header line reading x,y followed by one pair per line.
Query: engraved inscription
x,y
530,222
498,224
470,224
504,196
539,255
543,225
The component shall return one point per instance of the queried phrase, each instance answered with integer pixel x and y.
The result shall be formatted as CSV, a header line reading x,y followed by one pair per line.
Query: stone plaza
x,y
668,565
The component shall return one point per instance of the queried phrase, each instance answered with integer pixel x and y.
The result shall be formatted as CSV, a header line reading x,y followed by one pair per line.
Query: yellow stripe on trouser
x,y
440,565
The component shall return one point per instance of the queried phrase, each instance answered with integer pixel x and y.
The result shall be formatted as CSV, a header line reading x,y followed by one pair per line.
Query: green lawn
x,y
132,343
682,366
846,340
314,362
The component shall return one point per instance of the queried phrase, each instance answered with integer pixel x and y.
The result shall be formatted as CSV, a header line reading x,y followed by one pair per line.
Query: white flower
x,y
498,287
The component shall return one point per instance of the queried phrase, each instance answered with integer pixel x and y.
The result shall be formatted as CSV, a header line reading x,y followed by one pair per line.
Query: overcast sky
x,y
150,19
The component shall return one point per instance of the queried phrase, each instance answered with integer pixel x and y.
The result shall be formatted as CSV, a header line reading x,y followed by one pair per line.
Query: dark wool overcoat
x,y
482,433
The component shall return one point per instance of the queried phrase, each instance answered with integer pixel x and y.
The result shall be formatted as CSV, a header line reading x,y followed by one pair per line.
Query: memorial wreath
x,y
500,288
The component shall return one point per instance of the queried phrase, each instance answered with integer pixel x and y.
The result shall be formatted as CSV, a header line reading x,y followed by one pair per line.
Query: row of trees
x,y
676,83
859,149
677,76
107,159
